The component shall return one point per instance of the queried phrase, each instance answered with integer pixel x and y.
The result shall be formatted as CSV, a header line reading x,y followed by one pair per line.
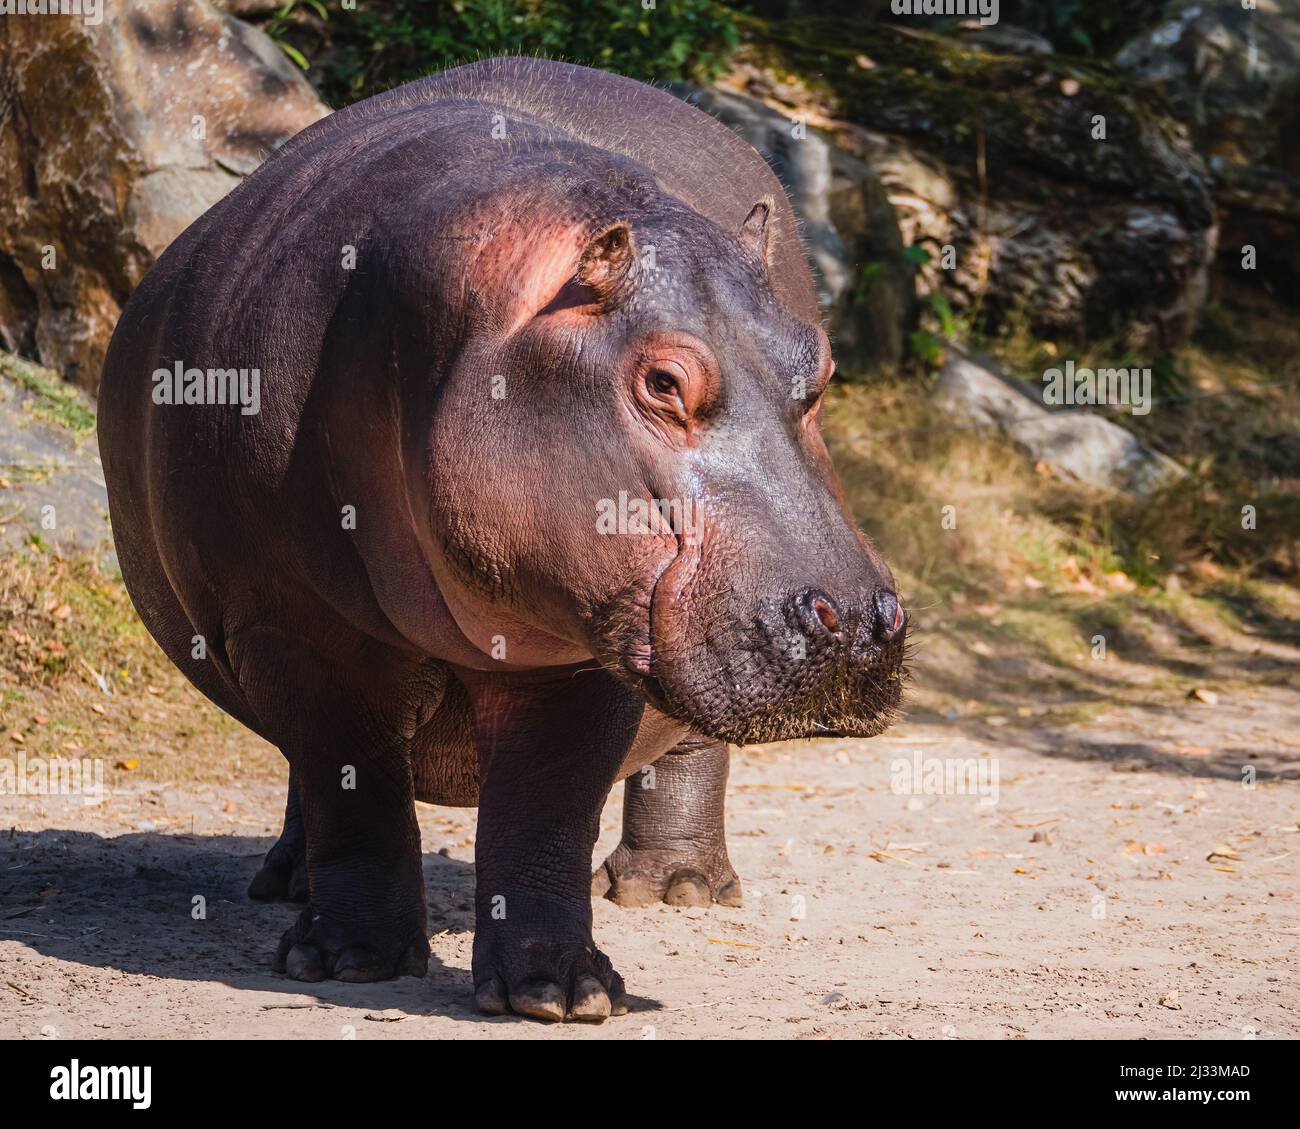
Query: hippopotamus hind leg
x,y
283,876
674,847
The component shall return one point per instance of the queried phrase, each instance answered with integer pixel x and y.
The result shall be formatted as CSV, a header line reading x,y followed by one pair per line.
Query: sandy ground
x,y
1122,882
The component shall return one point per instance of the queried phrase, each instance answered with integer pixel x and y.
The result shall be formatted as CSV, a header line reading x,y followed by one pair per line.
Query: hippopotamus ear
x,y
605,264
756,232
546,282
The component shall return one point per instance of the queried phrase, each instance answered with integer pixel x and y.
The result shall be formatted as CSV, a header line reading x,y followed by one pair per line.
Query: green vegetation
x,y
1226,408
1083,27
60,613
1031,568
54,400
353,54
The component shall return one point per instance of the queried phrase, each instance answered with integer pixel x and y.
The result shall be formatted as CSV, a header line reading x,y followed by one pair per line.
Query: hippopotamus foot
x,y
283,876
544,967
550,750
679,877
674,848
366,916
317,948
365,921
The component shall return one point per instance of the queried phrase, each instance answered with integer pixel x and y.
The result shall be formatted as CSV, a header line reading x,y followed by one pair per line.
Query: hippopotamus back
x,y
695,157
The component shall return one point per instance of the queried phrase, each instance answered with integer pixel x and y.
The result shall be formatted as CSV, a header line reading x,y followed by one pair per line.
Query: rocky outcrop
x,y
1233,75
113,138
246,8
864,280
993,155
1002,39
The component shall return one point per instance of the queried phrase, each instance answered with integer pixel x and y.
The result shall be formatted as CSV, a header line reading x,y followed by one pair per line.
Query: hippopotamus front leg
x,y
550,749
674,847
339,723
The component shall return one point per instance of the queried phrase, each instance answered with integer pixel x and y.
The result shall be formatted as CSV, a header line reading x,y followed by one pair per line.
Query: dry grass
x,y
80,676
1009,594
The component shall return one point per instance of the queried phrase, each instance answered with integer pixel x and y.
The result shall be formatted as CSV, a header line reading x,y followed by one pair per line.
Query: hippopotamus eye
x,y
664,383
675,381
668,393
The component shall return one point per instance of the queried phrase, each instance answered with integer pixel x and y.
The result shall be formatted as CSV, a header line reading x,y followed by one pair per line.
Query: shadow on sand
x,y
126,903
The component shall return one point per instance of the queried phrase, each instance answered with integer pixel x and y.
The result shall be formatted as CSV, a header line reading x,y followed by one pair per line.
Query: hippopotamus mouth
x,y
745,677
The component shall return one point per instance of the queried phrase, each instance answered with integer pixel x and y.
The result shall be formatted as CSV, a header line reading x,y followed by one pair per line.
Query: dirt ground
x,y
1122,881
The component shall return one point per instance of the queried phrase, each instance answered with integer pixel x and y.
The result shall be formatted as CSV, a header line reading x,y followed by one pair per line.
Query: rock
x,y
864,280
113,138
1095,451
992,155
1094,28
1002,39
1233,75
1077,443
51,483
1261,211
1230,73
975,392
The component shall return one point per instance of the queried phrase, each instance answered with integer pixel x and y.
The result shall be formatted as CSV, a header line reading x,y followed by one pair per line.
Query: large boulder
x,y
1078,444
113,138
1231,73
992,154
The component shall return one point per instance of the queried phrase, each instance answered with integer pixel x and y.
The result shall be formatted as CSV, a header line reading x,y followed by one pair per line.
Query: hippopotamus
x,y
469,452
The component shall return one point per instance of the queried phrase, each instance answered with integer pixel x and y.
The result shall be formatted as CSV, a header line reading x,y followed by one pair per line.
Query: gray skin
x,y
397,567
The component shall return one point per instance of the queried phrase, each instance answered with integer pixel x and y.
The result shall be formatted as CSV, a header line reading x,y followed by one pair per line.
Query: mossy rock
x,y
1011,139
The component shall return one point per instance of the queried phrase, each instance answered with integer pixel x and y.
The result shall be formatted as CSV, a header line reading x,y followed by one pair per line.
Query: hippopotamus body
x,y
530,494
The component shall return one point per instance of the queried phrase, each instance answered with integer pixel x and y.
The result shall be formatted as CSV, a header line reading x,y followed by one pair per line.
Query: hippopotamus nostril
x,y
889,615
816,614
826,613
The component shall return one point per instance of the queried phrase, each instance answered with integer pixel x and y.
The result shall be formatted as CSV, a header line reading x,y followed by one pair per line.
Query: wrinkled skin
x,y
567,291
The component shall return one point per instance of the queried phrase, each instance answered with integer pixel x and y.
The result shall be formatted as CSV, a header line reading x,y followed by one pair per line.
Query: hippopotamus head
x,y
625,461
